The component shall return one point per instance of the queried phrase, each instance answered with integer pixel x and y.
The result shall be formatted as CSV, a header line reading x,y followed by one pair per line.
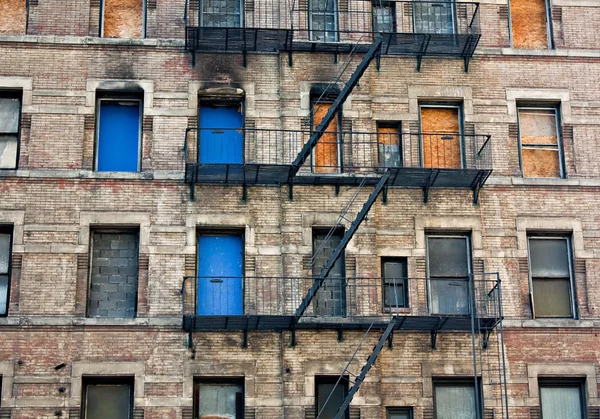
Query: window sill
x,y
520,181
551,323
89,174
87,321
92,40
516,52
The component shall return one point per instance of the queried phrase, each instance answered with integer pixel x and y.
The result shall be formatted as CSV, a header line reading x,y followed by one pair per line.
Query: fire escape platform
x,y
270,174
276,323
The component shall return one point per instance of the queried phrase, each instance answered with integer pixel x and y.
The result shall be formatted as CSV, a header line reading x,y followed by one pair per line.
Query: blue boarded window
x,y
119,135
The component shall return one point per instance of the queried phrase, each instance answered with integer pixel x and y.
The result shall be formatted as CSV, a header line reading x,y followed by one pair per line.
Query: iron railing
x,y
350,298
409,27
339,152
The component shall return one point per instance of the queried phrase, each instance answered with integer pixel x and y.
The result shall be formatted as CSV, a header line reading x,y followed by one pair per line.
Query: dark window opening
x,y
329,396
395,286
330,300
10,126
5,265
551,278
113,274
219,398
118,134
449,268
107,398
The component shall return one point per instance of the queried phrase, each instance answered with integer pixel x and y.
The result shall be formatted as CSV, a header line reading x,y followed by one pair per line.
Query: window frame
x,y
8,229
234,380
573,295
119,97
454,18
397,125
336,20
375,5
564,382
467,237
14,94
460,133
559,142
124,230
391,410
241,15
331,379
404,279
458,381
107,380
144,20
327,100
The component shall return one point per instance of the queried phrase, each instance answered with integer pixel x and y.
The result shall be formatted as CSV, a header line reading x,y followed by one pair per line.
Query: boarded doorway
x,y
440,137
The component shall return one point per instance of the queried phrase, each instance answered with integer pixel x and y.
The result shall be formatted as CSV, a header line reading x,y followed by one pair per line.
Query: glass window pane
x,y
549,258
394,293
218,400
108,401
383,18
449,296
337,397
3,294
455,401
4,252
433,17
447,256
8,151
552,297
537,126
561,402
9,115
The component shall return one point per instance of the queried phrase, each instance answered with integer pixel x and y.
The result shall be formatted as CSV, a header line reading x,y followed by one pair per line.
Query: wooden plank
x,y
123,18
13,17
325,154
440,151
528,19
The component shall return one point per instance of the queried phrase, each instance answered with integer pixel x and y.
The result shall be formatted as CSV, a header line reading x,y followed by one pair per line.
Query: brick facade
x,y
60,211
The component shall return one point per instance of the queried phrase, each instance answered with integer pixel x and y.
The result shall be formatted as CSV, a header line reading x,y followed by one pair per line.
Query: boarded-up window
x,y
10,115
106,398
326,152
13,17
528,18
540,144
114,275
440,137
389,146
123,19
550,271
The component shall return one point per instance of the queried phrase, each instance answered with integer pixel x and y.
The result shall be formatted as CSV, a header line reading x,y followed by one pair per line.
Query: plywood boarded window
x,y
529,23
123,18
441,137
326,152
389,147
13,17
540,144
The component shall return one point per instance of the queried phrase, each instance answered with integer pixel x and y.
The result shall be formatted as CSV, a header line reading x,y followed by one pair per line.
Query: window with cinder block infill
x,y
113,274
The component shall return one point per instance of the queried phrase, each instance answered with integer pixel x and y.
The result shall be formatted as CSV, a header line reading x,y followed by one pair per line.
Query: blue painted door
x,y
119,136
220,136
220,272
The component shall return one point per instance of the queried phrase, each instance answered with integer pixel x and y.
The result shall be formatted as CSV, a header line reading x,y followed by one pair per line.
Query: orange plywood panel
x,y
123,18
440,139
528,18
325,154
540,163
13,17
